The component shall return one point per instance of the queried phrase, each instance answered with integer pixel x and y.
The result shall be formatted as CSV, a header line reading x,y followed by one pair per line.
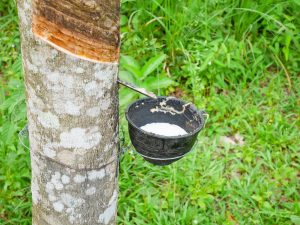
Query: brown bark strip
x,y
87,29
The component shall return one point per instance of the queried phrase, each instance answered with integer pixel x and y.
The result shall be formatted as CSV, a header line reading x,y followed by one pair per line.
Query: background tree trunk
x,y
72,110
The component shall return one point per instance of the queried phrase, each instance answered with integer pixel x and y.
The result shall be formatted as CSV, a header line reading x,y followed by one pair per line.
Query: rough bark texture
x,y
87,28
72,110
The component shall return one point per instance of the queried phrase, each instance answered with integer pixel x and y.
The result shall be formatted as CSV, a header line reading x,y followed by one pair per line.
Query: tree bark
x,y
72,110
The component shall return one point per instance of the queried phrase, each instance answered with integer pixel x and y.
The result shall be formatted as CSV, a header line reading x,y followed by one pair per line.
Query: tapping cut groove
x,y
87,29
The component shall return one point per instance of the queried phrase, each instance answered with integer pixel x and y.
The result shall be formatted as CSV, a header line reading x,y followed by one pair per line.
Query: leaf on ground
x,y
236,139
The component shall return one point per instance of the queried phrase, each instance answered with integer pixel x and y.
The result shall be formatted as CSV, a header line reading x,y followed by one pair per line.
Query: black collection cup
x,y
158,149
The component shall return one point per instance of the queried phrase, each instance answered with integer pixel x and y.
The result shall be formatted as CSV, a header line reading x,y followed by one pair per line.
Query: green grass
x,y
237,59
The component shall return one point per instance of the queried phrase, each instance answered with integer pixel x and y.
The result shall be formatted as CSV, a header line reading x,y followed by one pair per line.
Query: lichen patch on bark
x,y
58,206
90,191
65,179
48,120
94,174
80,138
79,178
107,215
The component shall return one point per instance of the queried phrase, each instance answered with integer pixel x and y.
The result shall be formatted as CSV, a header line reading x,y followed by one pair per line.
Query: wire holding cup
x,y
24,134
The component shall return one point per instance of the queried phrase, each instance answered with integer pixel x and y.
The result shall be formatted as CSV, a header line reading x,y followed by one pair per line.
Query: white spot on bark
x,y
94,174
35,192
59,105
65,179
105,103
33,68
111,169
91,88
48,151
72,109
113,197
79,70
38,58
58,206
93,112
55,180
106,73
90,191
26,5
107,147
48,120
49,187
59,186
34,184
52,198
108,213
72,218
24,16
54,53
79,179
35,104
71,201
59,81
61,87
68,210
80,138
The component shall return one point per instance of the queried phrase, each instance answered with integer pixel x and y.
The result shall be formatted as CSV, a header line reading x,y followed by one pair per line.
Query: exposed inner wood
x,y
88,29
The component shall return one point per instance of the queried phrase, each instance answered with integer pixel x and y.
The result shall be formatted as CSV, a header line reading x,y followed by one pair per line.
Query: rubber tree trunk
x,y
72,110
